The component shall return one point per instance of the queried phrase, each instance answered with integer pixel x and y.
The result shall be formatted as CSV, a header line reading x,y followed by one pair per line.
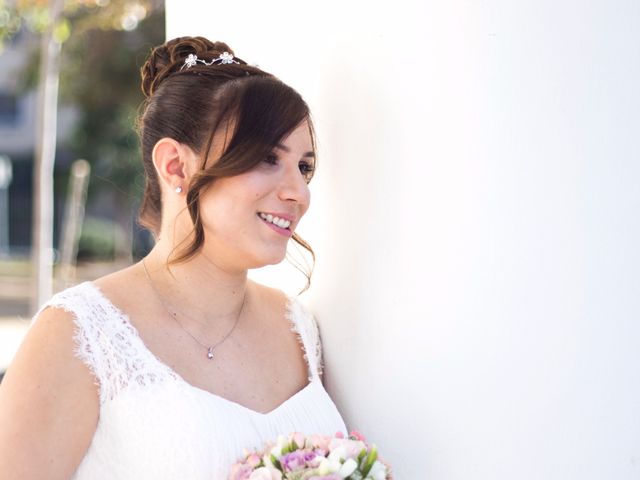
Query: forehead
x,y
299,141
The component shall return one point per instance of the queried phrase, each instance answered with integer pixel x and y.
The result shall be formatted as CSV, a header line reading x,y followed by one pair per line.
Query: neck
x,y
199,287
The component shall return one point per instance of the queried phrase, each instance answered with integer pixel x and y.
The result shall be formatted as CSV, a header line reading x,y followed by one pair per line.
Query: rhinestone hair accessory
x,y
222,59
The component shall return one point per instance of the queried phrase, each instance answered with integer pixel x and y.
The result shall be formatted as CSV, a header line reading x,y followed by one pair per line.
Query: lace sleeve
x,y
75,303
107,342
316,343
305,324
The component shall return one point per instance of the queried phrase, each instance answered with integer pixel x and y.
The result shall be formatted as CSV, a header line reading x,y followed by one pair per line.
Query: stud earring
x,y
178,189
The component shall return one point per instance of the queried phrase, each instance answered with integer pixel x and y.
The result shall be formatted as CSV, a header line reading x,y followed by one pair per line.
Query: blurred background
x,y
76,63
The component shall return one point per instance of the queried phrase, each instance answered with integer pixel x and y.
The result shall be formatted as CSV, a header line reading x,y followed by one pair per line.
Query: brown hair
x,y
191,104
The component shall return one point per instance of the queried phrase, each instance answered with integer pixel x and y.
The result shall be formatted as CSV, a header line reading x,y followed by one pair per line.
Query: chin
x,y
274,258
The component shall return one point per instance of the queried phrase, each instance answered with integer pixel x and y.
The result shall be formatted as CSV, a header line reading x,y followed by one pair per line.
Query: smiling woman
x,y
246,110
173,366
234,212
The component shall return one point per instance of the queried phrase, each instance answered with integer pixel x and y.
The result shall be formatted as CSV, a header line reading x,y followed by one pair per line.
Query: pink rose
x,y
348,448
298,438
240,472
318,441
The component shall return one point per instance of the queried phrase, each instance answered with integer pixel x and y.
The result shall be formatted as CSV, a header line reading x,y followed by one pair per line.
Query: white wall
x,y
476,220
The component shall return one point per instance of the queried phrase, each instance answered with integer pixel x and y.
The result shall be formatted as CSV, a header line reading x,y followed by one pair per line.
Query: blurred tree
x,y
79,22
77,16
100,74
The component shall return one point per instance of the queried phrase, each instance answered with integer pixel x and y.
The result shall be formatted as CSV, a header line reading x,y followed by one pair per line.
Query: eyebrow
x,y
287,149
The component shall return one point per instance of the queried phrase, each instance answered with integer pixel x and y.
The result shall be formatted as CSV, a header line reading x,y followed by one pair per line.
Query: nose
x,y
293,186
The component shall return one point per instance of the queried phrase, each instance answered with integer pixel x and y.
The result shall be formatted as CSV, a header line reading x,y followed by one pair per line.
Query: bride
x,y
169,368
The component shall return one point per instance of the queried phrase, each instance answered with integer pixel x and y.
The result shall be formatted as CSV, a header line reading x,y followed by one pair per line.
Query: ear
x,y
172,161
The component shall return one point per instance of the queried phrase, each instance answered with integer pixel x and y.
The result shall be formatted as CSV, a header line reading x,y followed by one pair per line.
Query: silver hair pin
x,y
223,58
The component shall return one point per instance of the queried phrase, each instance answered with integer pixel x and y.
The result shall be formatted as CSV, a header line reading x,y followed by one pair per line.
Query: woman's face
x,y
248,219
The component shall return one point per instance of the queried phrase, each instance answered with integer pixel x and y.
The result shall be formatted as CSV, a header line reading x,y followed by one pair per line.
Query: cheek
x,y
229,201
307,200
217,207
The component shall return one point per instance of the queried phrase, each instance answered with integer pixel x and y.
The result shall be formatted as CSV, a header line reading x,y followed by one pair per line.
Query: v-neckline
x,y
290,317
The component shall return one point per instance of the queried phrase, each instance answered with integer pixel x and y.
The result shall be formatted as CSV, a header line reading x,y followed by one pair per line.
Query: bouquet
x,y
314,457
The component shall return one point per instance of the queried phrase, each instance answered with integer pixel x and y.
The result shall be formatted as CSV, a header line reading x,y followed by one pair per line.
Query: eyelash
x,y
308,171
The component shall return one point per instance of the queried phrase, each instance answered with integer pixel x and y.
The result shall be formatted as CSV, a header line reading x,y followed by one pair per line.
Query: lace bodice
x,y
153,424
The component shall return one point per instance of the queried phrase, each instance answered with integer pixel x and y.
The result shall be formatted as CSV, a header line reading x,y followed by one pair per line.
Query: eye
x,y
307,169
271,159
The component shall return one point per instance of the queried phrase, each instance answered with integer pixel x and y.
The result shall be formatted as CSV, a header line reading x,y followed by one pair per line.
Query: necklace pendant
x,y
210,353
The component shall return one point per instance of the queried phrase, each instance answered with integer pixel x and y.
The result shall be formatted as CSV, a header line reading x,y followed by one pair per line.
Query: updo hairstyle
x,y
189,105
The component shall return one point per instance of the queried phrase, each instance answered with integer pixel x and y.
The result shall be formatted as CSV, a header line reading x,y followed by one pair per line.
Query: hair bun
x,y
169,58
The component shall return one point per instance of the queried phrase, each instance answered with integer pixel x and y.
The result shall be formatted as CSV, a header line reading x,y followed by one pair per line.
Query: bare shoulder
x,y
270,298
47,394
121,287
47,354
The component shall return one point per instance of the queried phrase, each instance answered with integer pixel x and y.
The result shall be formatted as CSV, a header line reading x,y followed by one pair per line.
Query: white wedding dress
x,y
154,425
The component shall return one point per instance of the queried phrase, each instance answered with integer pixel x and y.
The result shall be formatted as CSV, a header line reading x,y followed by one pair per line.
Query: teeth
x,y
281,222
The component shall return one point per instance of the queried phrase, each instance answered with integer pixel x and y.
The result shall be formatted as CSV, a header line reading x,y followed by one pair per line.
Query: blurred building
x,y
18,137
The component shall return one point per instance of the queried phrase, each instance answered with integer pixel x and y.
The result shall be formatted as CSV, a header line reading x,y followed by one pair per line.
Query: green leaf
x,y
276,462
371,458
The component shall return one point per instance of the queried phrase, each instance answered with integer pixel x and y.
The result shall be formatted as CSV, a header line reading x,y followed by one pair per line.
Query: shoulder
x,y
278,301
268,298
123,287
48,354
47,393
281,304
302,321
84,323
65,299
60,332
51,337
84,298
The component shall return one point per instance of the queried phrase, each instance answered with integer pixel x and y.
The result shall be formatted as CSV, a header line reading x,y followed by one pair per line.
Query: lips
x,y
282,226
281,220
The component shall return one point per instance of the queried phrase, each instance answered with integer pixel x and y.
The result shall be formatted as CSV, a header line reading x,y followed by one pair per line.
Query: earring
x,y
178,189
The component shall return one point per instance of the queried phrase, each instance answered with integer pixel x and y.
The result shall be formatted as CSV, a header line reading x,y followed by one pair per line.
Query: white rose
x,y
348,468
328,466
267,461
348,448
338,453
378,471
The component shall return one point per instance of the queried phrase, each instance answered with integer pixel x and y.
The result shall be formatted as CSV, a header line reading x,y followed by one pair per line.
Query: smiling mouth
x,y
277,221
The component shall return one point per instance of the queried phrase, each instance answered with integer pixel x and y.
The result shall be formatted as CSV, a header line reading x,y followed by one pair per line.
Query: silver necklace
x,y
173,315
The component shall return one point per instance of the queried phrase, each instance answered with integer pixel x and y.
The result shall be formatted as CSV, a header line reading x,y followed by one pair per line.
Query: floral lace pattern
x,y
306,328
111,347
